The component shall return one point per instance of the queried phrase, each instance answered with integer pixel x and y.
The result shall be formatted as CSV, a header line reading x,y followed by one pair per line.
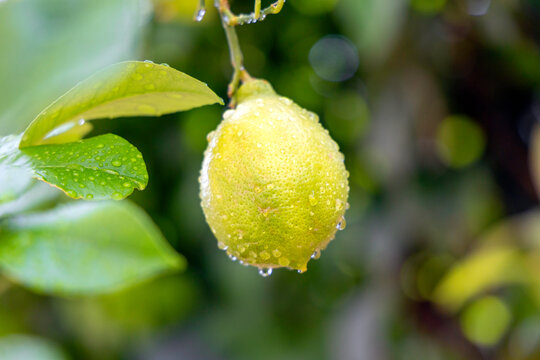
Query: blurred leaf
x,y
25,347
373,24
109,321
85,248
102,167
486,268
38,195
13,182
131,88
485,321
46,44
182,10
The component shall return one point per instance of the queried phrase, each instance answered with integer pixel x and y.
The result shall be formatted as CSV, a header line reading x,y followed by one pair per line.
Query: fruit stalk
x,y
229,20
237,58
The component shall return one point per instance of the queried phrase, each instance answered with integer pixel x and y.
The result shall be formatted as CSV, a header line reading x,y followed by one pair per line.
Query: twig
x,y
256,15
229,20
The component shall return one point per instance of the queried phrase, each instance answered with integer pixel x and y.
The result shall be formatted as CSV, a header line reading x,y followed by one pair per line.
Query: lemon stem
x,y
237,58
229,20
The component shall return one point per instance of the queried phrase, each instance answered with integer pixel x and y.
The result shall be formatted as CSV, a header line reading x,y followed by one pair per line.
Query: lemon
x,y
273,184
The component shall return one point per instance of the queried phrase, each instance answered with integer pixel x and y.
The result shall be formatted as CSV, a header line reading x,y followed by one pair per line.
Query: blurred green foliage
x,y
440,259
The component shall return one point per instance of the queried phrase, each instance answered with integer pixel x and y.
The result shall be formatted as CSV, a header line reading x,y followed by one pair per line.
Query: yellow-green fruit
x,y
273,183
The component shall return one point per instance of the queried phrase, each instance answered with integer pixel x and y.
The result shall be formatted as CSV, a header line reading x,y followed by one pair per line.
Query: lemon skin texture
x,y
273,183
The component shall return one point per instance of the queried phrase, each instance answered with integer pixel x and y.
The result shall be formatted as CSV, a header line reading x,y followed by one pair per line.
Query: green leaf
x,y
19,347
102,167
85,248
53,43
132,88
13,182
38,195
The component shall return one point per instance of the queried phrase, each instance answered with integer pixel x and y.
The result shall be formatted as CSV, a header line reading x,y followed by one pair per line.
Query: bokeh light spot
x,y
485,321
334,58
460,141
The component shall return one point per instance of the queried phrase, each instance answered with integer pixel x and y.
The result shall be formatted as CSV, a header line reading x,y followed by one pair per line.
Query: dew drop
x,y
287,101
339,205
316,254
232,257
82,186
200,14
117,196
264,255
265,272
89,196
116,163
276,253
342,224
126,184
222,246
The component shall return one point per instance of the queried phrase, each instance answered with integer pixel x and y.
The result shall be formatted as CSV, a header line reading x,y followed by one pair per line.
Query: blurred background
x,y
434,104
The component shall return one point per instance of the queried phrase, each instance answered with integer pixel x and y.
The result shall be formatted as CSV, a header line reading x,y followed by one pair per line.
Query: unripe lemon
x,y
273,183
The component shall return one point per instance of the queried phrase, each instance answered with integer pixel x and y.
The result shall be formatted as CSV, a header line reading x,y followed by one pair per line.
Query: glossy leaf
x,y
85,248
132,88
48,45
102,167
